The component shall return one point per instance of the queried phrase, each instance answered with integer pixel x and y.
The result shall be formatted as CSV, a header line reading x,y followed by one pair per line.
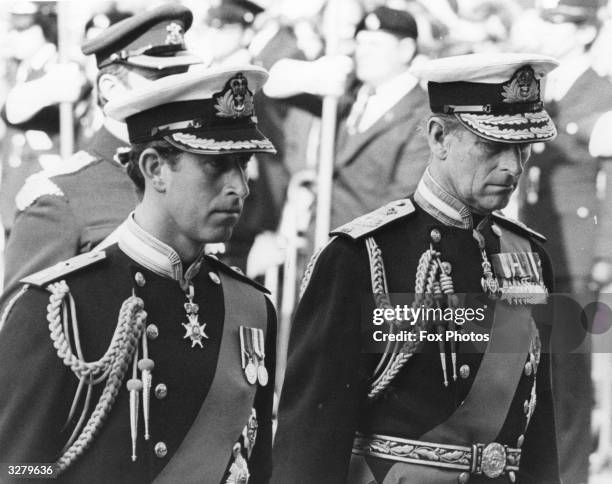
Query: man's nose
x,y
513,161
237,181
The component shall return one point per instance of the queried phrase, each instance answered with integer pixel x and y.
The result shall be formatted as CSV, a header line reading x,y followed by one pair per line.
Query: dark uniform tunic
x,y
323,403
69,213
39,388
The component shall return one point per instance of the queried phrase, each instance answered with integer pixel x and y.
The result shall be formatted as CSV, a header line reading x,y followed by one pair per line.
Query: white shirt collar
x,y
155,255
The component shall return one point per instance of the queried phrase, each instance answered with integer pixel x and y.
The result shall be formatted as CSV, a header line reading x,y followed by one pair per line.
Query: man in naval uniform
x,y
150,361
461,409
70,209
567,195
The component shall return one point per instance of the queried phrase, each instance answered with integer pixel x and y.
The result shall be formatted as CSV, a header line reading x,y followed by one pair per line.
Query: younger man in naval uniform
x,y
68,211
448,411
149,361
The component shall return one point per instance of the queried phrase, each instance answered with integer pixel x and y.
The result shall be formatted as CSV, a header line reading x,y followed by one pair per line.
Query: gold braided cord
x,y
310,268
114,363
425,278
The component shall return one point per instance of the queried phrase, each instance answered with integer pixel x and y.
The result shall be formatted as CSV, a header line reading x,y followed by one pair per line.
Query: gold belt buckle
x,y
493,460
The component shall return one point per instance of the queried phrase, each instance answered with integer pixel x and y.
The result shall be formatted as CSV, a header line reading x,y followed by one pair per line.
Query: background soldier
x,y
70,209
566,196
433,412
152,317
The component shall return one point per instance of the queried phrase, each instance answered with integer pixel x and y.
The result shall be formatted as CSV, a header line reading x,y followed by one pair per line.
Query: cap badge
x,y
522,87
175,34
235,101
372,22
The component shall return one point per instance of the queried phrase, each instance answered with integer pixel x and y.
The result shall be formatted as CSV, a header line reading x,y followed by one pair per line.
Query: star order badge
x,y
193,329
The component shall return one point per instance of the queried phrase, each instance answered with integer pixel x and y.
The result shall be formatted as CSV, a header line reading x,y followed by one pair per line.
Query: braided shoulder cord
x,y
310,268
115,361
426,272
12,303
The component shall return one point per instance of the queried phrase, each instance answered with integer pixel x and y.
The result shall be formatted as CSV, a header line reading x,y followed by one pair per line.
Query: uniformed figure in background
x,y
69,209
433,412
380,152
150,361
567,195
31,110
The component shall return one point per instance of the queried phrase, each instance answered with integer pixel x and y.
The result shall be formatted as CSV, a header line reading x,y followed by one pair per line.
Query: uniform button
x,y
152,331
140,279
520,441
526,407
161,450
161,391
464,371
538,147
571,128
528,368
214,277
463,478
435,235
582,212
496,230
238,270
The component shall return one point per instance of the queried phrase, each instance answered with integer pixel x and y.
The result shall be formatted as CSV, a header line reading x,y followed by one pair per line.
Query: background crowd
x,y
357,53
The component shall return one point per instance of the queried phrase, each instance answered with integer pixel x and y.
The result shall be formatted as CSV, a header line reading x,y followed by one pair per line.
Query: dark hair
x,y
129,159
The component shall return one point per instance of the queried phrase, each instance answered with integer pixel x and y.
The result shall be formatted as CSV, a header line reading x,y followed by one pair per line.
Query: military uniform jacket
x,y
565,202
323,403
68,213
39,387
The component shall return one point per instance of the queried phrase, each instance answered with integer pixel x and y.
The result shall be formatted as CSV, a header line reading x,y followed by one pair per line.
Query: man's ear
x,y
109,86
437,133
150,165
407,48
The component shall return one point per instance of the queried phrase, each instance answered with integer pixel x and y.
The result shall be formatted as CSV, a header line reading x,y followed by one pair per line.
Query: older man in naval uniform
x,y
428,407
150,361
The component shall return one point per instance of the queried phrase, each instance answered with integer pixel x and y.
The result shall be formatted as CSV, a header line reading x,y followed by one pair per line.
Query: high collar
x,y
155,255
441,205
104,144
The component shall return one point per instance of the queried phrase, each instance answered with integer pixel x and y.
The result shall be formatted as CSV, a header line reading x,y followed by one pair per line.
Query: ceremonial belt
x,y
204,454
491,460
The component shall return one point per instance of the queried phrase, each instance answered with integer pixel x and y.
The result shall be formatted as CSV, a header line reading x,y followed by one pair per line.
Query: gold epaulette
x,y
500,217
373,221
40,184
236,272
63,268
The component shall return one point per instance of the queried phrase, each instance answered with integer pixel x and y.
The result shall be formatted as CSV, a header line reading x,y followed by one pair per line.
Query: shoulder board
x,y
40,184
500,217
236,272
64,268
371,222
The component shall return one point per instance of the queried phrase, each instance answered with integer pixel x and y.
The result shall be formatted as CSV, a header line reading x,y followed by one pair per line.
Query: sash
x,y
205,452
482,414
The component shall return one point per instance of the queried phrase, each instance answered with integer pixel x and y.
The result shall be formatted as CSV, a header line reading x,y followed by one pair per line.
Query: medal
x,y
193,329
248,354
258,339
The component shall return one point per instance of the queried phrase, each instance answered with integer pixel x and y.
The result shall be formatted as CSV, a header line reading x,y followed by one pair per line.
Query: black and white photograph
x,y
306,241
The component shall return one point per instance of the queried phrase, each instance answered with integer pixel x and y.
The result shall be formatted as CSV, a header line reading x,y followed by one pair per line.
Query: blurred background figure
x,y
70,208
380,152
31,110
566,197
